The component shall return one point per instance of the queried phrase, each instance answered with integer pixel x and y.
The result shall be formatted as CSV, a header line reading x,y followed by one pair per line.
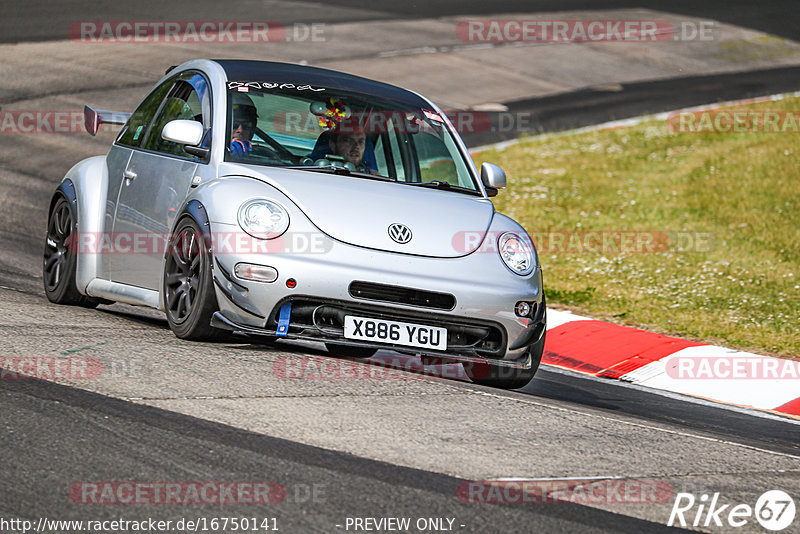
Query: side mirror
x,y
493,178
183,132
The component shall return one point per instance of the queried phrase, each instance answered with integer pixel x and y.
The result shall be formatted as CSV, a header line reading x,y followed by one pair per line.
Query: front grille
x,y
402,295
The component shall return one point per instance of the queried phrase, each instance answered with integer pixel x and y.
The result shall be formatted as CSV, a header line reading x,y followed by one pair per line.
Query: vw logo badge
x,y
400,233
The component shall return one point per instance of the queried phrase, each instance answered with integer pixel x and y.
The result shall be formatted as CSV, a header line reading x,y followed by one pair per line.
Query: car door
x,y
155,182
118,157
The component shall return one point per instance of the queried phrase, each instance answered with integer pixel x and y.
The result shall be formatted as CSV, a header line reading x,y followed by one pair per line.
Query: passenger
x,y
350,146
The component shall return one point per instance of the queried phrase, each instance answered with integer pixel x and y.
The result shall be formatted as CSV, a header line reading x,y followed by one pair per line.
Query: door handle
x,y
129,175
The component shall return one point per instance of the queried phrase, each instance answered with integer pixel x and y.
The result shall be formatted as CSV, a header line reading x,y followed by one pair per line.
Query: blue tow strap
x,y
283,319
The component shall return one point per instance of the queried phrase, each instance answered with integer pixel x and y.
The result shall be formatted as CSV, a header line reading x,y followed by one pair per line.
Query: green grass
x,y
759,48
739,287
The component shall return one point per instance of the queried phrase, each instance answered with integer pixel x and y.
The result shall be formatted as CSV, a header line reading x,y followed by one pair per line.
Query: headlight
x,y
263,219
517,253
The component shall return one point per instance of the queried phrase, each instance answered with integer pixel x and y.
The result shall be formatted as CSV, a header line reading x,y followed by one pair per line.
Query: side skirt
x,y
117,292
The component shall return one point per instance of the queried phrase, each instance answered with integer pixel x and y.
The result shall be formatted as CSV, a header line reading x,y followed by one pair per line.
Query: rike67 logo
x,y
774,510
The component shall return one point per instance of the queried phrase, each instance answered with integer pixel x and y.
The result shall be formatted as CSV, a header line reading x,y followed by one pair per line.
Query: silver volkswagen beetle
x,y
294,202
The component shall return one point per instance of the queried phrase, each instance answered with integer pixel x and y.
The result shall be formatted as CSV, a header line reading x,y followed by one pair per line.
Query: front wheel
x,y
506,377
60,258
188,285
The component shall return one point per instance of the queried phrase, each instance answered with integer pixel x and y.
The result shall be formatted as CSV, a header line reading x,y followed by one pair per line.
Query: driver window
x,y
133,132
183,102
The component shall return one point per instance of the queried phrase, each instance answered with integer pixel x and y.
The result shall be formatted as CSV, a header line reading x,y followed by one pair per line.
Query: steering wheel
x,y
265,151
277,148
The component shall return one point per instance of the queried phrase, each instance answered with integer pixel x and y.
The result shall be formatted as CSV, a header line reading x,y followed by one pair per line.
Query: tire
x,y
60,257
350,351
188,285
506,377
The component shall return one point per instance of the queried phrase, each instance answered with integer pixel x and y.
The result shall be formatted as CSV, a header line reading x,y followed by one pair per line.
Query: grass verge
x,y
701,230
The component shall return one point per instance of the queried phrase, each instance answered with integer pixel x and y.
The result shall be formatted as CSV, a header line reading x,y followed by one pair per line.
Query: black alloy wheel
x,y
60,258
189,297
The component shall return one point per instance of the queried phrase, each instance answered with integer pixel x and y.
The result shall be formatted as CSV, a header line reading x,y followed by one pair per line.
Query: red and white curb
x,y
651,360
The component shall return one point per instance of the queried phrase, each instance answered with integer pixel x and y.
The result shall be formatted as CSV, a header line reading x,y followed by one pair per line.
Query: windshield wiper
x,y
341,170
441,184
437,184
333,169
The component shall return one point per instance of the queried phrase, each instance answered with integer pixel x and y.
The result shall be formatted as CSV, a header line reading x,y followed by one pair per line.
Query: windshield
x,y
335,131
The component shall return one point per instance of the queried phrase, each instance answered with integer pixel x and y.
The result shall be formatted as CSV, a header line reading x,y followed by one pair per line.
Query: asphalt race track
x,y
393,444
39,20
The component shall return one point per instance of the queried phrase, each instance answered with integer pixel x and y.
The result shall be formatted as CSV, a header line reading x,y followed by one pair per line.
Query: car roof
x,y
272,71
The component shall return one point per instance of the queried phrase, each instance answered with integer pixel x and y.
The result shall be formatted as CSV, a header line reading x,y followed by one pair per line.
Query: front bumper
x,y
474,297
469,352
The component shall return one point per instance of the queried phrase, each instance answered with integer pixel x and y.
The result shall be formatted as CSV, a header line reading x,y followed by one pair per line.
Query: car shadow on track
x,y
545,385
132,315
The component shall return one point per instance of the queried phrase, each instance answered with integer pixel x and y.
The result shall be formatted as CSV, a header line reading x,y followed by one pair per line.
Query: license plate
x,y
408,334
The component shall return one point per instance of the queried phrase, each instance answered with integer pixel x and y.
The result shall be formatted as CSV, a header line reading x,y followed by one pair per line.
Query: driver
x,y
244,124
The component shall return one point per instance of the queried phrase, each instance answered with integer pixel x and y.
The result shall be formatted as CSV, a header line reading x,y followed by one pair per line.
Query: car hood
x,y
359,211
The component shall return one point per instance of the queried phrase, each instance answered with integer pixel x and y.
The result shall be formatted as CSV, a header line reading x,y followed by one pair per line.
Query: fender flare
x,y
66,188
197,211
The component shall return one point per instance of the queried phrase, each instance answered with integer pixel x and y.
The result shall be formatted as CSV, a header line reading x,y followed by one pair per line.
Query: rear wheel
x,y
506,377
189,297
350,351
60,258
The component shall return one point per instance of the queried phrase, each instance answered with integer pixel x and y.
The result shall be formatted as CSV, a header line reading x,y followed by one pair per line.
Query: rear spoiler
x,y
93,118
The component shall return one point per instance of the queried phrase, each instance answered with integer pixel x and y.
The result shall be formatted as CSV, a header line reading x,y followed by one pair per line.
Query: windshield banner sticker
x,y
273,85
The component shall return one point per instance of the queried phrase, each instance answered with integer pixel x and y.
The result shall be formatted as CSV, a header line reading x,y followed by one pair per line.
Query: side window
x,y
134,131
183,102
